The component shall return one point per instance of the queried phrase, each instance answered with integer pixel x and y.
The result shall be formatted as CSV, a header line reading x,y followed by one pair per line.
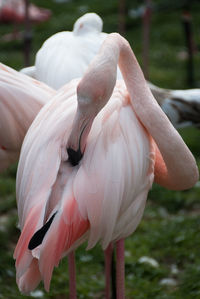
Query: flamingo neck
x,y
177,172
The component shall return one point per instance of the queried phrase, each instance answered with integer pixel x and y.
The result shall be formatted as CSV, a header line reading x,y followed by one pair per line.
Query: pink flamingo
x,y
85,169
13,11
21,98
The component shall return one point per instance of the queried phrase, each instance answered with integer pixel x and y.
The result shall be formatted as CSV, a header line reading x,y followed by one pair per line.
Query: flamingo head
x,y
93,92
89,22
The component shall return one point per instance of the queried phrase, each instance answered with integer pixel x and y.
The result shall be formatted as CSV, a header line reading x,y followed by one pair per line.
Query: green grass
x,y
169,231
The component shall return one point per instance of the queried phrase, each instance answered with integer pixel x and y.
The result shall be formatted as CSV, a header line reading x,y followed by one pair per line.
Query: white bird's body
x,y
181,106
66,55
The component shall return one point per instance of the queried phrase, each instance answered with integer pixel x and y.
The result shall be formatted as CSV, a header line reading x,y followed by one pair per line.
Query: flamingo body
x,y
85,169
103,212
21,98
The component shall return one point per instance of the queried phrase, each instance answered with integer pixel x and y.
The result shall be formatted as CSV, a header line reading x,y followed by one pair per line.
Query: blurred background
x,y
162,256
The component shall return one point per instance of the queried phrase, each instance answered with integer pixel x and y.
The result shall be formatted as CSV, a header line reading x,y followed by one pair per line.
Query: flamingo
x,y
14,11
87,164
21,98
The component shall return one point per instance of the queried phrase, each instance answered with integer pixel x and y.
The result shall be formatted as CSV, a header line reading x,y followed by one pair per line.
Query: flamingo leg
x,y
120,271
108,253
72,276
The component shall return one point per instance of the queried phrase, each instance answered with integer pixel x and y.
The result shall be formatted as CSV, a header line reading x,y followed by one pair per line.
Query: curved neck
x,y
143,102
175,167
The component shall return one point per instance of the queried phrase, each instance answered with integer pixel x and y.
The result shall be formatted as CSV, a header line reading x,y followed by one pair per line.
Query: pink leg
x,y
72,276
120,269
108,260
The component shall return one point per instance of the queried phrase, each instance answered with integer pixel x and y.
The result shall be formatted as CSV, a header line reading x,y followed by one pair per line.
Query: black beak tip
x,y
74,156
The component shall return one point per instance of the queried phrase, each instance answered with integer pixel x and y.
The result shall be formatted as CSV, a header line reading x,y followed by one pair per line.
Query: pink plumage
x,y
13,11
81,204
21,98
85,169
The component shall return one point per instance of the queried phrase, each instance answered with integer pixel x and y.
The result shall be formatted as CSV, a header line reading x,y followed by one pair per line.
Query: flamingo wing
x,y
21,98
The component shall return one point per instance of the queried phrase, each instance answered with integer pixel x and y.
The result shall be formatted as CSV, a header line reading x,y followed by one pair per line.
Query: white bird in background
x,y
181,106
66,55
99,159
21,98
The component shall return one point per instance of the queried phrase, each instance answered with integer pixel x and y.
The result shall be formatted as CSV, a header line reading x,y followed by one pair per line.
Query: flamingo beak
x,y
74,156
78,138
